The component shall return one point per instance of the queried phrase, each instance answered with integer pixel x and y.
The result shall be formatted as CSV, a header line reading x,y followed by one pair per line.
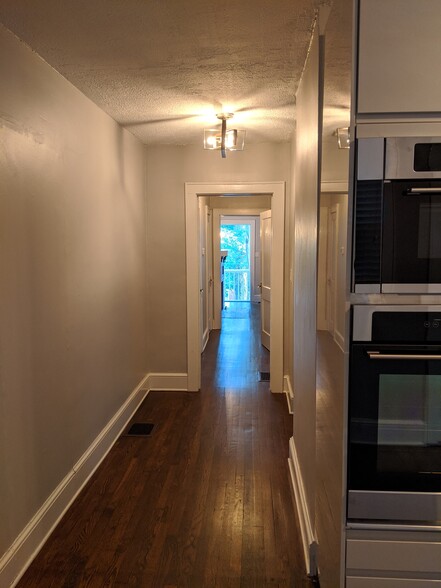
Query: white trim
x,y
309,540
23,550
167,382
287,388
192,191
335,186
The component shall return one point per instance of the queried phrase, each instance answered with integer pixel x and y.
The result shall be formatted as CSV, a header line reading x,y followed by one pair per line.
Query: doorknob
x,y
260,285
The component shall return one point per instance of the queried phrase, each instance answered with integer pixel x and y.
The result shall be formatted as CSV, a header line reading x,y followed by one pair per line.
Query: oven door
x,y
411,237
394,459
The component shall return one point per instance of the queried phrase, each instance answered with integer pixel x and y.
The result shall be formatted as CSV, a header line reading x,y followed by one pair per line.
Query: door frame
x,y
192,192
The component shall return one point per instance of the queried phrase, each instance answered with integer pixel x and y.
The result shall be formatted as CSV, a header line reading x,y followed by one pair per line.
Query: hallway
x,y
203,501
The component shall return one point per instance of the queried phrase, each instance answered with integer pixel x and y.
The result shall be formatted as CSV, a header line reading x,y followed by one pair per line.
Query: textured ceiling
x,y
164,68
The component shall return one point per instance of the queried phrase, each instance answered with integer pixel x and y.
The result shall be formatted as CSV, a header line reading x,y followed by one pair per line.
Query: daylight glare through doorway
x,y
236,240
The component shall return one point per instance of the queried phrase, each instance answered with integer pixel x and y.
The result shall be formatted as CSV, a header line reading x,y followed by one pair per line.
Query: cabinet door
x,y
369,582
399,56
406,557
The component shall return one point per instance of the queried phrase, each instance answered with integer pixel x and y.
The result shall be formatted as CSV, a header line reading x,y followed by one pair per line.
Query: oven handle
x,y
378,355
420,191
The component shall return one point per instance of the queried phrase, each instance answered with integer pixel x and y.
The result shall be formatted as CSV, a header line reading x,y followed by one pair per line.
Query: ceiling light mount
x,y
223,139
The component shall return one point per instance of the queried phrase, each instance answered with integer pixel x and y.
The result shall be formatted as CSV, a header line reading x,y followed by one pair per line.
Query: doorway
x,y
240,243
192,193
241,215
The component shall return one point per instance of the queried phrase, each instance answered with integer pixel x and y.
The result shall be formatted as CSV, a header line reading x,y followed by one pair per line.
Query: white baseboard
x,y
287,388
339,339
20,554
167,382
309,540
18,557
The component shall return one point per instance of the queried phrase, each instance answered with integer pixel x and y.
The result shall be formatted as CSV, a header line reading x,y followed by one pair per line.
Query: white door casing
x,y
192,192
266,235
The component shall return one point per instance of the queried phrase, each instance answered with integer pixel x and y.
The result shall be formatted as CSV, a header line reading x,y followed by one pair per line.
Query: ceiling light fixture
x,y
223,139
343,138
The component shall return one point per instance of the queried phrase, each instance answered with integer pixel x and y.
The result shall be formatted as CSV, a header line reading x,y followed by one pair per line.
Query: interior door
x,y
203,301
209,259
265,247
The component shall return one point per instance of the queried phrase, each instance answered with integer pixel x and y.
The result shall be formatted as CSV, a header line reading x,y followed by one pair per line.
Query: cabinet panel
x,y
399,51
394,556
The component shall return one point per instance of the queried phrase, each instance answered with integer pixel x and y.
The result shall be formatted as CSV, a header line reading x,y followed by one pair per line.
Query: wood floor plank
x,y
203,502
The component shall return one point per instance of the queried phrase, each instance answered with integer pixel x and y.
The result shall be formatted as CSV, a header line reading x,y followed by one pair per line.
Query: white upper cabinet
x,y
399,66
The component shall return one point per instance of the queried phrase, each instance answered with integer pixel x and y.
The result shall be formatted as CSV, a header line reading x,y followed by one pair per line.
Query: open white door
x,y
266,236
202,277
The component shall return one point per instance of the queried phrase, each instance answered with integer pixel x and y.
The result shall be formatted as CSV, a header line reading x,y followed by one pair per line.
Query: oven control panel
x,y
406,327
396,323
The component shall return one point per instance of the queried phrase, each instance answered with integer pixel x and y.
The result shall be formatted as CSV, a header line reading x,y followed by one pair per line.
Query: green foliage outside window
x,y
236,240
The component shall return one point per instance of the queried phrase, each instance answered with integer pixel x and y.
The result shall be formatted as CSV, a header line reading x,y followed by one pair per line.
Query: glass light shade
x,y
234,139
343,138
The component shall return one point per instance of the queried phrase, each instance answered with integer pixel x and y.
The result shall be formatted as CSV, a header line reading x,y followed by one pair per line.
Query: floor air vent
x,y
139,430
264,376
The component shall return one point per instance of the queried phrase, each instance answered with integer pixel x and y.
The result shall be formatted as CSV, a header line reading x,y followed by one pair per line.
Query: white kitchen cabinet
x,y
394,556
376,582
399,56
393,559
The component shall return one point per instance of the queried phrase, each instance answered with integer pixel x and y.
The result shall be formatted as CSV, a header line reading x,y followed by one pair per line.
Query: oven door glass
x,y
395,418
411,240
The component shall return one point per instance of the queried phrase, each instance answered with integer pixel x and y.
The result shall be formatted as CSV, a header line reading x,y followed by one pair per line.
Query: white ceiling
x,y
164,68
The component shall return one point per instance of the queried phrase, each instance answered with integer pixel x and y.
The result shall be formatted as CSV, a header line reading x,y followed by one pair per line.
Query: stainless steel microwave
x,y
397,222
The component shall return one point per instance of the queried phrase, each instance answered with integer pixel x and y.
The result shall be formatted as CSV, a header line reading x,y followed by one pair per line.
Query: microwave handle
x,y
420,191
378,355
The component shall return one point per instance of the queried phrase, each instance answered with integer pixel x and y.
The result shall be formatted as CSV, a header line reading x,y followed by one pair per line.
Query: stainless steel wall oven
x,y
397,237
394,433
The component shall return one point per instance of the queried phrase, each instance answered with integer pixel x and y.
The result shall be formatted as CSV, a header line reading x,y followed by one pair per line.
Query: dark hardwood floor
x,y
204,501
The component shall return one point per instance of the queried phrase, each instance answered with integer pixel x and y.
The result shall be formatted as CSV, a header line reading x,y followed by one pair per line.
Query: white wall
x,y
303,456
335,161
168,168
289,269
72,269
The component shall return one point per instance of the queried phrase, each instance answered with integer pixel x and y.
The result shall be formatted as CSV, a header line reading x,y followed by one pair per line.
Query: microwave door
x,y
411,243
